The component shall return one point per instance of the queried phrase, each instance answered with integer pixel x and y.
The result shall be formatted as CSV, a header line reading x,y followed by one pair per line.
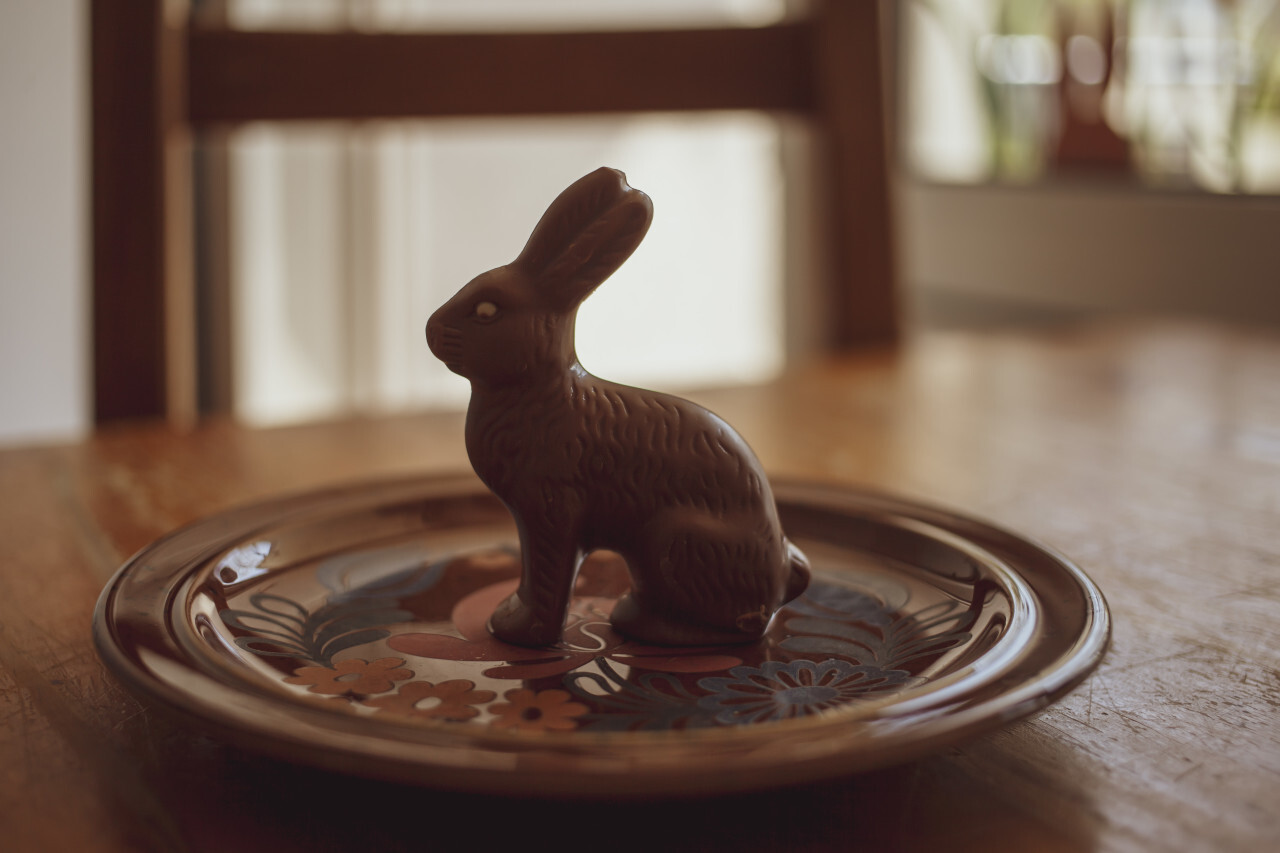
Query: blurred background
x,y
1051,160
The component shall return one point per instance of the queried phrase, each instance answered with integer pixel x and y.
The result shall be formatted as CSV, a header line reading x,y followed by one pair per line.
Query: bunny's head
x,y
517,321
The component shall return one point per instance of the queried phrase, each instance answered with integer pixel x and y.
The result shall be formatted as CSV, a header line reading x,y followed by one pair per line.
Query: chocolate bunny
x,y
585,464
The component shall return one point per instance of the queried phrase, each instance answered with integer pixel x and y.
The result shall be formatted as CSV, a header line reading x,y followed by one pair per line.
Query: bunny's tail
x,y
798,582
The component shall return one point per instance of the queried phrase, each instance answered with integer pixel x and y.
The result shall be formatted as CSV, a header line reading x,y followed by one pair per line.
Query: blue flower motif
x,y
782,691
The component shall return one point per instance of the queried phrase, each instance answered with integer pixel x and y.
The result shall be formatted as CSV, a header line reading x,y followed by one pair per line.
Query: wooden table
x,y
1149,453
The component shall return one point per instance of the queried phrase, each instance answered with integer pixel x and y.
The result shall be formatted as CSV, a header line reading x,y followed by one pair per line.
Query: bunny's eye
x,y
485,311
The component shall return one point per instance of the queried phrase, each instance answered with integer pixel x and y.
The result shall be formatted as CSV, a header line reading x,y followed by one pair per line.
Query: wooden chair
x,y
158,78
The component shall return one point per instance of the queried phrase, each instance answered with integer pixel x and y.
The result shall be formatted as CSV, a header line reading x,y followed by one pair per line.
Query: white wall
x,y
44,333
1094,249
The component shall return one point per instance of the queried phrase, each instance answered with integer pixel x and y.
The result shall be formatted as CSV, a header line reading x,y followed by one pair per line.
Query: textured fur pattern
x,y
585,464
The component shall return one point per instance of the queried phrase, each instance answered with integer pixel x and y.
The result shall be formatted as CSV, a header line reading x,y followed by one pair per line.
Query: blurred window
x,y
346,237
1180,93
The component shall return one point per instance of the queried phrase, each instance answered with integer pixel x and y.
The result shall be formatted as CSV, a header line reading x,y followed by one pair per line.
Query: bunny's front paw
x,y
515,622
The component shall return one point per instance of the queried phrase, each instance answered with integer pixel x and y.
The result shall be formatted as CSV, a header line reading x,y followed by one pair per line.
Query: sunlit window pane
x,y
1182,93
348,237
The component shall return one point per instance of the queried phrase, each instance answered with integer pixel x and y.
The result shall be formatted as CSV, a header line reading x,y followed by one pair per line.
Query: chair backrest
x,y
157,79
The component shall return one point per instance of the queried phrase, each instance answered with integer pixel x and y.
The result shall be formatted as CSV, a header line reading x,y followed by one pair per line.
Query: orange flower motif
x,y
527,711
454,700
352,676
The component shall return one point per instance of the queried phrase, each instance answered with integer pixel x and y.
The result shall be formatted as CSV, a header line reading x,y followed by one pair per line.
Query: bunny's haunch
x,y
585,464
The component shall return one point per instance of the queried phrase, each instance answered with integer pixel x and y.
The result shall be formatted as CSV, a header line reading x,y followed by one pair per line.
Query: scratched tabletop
x,y
1149,453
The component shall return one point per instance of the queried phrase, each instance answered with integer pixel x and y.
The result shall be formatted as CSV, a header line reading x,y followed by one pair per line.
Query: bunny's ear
x,y
586,234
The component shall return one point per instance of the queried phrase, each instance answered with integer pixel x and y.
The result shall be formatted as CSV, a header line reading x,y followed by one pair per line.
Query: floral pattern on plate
x,y
834,646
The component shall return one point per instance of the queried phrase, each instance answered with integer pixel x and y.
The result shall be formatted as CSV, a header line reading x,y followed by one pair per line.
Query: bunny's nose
x,y
433,334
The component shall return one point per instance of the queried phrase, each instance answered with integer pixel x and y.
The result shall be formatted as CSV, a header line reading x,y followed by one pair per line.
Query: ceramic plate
x,y
346,629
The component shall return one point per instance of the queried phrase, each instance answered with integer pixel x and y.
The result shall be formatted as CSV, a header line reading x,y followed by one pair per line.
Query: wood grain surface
x,y
1148,453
